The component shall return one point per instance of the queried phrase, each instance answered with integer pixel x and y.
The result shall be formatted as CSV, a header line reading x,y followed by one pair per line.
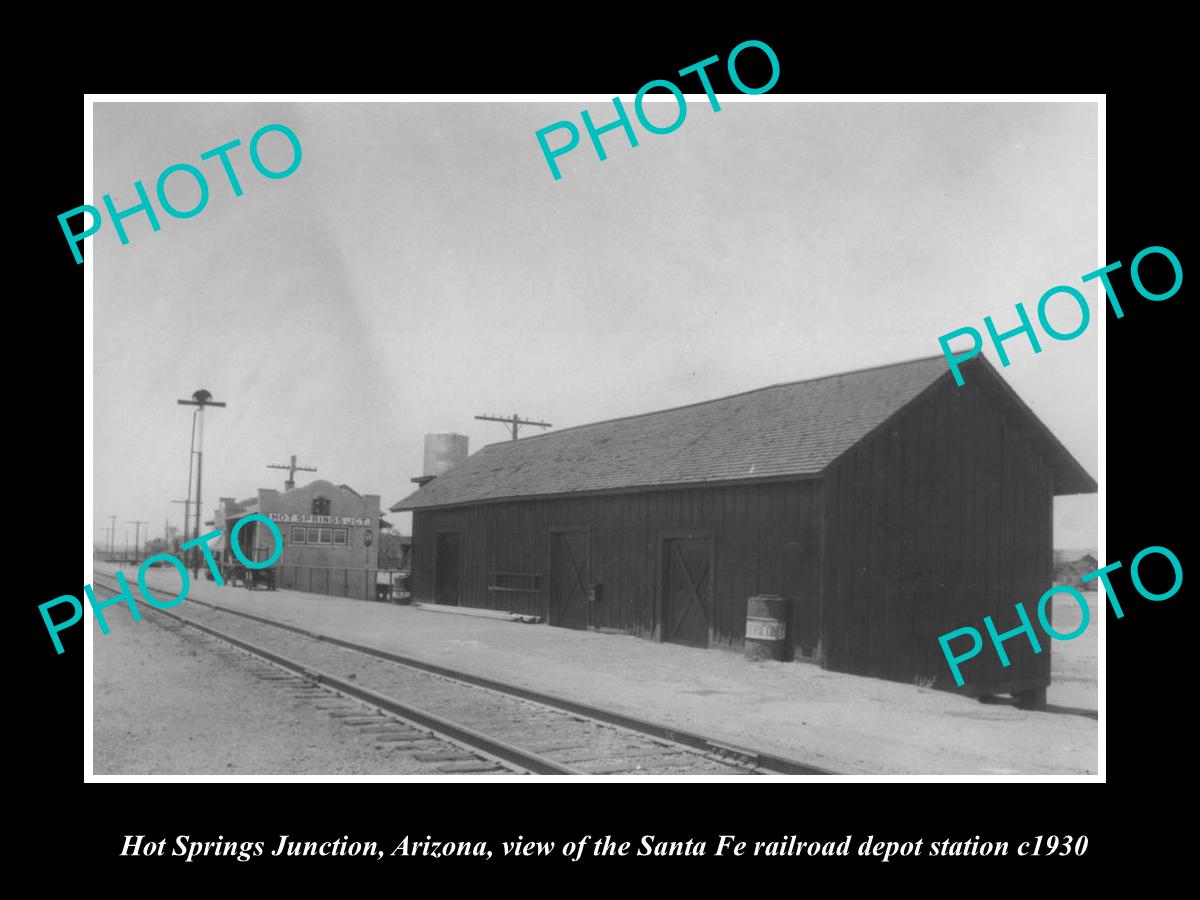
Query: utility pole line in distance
x,y
137,530
514,422
292,470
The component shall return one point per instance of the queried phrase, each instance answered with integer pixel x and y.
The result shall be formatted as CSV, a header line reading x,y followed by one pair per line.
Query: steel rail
x,y
769,762
476,740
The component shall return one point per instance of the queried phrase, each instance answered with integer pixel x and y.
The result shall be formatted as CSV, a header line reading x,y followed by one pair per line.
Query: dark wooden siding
x,y
938,518
765,540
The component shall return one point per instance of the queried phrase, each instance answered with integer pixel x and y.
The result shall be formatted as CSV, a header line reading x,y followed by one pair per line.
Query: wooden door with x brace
x,y
569,559
687,597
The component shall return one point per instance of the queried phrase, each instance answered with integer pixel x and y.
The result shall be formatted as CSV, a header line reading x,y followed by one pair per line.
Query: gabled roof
x,y
1068,475
784,431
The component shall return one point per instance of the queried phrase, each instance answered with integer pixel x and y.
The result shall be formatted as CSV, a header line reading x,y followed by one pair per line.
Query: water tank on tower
x,y
443,452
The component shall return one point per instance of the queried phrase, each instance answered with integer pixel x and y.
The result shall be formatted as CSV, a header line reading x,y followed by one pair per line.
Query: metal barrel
x,y
766,627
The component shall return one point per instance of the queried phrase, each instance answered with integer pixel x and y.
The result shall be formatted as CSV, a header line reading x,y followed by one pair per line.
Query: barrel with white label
x,y
766,627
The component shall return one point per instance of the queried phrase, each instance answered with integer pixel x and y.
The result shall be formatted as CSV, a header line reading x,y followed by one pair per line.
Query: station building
x,y
330,537
889,506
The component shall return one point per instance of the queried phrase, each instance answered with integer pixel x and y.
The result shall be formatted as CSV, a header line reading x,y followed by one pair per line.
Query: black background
x,y
1149,412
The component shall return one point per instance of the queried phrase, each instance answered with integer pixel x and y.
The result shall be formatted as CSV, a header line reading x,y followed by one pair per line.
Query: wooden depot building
x,y
889,506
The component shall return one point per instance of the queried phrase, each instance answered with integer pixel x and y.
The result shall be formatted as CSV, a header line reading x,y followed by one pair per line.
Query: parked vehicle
x,y
252,578
391,586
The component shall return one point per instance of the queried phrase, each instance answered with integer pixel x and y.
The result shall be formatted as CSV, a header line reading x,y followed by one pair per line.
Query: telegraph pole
x,y
112,536
292,470
201,399
514,422
187,509
137,530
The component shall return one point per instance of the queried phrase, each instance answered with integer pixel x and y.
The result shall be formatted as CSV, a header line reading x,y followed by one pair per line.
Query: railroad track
x,y
434,751
522,730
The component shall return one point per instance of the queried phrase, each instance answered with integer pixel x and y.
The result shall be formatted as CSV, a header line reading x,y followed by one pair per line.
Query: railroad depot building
x,y
889,506
330,537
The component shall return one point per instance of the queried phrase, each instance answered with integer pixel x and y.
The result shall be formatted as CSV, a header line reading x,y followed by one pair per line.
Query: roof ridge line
x,y
767,387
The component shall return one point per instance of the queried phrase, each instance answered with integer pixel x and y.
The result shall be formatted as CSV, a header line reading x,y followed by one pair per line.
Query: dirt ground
x,y
1074,664
845,723
163,706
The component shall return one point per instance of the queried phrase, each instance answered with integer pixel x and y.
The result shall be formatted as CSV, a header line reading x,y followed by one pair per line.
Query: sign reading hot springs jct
x,y
308,519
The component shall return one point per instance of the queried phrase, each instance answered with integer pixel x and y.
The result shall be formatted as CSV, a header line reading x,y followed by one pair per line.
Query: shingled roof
x,y
786,430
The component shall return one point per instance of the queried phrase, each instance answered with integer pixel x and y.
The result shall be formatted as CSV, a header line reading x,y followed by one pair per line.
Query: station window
x,y
314,536
339,537
297,534
326,535
320,506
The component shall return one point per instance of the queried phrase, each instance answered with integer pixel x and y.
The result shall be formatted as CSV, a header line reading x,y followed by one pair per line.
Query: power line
x,y
137,531
292,470
514,422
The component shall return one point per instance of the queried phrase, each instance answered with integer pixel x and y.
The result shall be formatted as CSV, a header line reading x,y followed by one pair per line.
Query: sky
x,y
421,266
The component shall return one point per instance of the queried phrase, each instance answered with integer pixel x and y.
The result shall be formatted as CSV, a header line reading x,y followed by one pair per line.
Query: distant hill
x,y
1061,553
1071,565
